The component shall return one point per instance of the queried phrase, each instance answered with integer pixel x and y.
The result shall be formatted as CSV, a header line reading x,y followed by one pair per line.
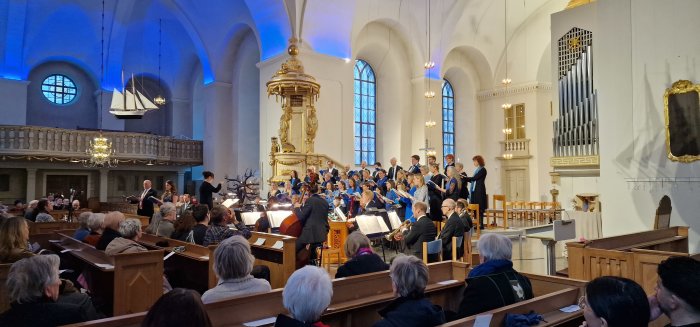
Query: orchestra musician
x,y
146,200
423,230
313,215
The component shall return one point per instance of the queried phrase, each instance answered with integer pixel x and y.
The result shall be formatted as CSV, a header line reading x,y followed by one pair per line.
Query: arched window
x,y
448,118
365,112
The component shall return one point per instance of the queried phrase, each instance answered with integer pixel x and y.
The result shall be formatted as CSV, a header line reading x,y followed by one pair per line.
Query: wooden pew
x,y
50,227
129,282
547,305
190,268
281,261
143,219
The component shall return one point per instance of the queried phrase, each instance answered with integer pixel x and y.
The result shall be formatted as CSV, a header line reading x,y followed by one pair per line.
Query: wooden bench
x,y
50,227
547,305
279,257
143,219
129,282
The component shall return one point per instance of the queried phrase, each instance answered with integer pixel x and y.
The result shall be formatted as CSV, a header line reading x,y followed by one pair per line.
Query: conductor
x,y
313,215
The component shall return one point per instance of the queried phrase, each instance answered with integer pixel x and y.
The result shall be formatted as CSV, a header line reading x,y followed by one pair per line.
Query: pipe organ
x,y
576,128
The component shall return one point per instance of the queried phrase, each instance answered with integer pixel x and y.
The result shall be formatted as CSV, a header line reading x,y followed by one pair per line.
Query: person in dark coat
x,y
314,217
146,200
410,277
493,283
461,210
423,230
477,191
464,191
435,194
207,189
33,289
453,228
362,259
111,229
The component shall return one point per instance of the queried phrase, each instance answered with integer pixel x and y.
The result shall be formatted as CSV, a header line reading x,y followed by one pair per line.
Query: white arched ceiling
x,y
329,34
271,24
234,40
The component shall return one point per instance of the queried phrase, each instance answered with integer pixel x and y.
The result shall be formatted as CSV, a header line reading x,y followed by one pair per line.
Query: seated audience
x,y
166,225
454,227
183,227
362,259
130,231
33,288
76,204
677,292
233,264
111,229
201,216
493,283
179,307
218,229
96,223
306,296
83,230
614,302
461,210
152,227
14,240
29,212
409,277
17,209
41,212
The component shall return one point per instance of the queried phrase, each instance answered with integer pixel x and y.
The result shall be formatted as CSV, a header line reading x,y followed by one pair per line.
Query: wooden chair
x,y
458,242
326,254
473,210
518,209
497,210
663,213
432,247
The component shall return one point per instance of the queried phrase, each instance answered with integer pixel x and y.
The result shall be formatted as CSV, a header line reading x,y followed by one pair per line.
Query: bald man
x,y
453,228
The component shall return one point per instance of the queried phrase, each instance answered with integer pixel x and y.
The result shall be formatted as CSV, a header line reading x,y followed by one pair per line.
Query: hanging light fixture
x,y
506,81
428,94
159,99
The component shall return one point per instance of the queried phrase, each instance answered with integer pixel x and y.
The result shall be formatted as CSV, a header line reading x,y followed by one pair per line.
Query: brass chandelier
x,y
100,153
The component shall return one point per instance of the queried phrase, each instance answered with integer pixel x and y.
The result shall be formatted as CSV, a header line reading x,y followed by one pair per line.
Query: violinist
x,y
313,214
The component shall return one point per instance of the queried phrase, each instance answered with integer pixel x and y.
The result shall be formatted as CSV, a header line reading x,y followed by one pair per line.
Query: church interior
x,y
585,113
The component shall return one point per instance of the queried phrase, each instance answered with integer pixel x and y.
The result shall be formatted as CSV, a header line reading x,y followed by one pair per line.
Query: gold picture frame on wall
x,y
682,114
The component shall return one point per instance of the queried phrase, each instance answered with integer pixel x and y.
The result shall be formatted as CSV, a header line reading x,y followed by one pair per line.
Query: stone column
x,y
104,174
219,116
31,184
180,182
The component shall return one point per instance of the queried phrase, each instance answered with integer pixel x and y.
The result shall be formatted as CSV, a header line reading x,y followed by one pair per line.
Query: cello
x,y
292,226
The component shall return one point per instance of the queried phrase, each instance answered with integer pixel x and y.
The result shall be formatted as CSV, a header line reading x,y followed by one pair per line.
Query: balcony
x,y
519,148
25,143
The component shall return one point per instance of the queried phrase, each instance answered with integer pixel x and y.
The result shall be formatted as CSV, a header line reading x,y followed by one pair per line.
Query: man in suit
x,y
423,230
453,228
415,164
333,171
394,169
184,206
145,201
314,217
377,168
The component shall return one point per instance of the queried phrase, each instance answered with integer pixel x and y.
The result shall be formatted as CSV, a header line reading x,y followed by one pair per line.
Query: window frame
x,y
364,129
448,118
63,94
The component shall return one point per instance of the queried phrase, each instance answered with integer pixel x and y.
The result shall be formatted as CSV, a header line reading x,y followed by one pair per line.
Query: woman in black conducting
x,y
207,189
477,189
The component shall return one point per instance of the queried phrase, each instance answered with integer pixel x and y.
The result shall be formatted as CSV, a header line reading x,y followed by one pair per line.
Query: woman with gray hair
x,y
307,294
362,259
166,225
33,287
95,223
233,264
409,277
493,283
83,231
131,233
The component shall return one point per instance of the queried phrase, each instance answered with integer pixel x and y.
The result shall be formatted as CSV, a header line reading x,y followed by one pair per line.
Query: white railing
x,y
519,147
35,141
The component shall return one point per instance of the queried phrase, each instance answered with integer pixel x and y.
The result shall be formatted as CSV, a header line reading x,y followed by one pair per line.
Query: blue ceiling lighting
x,y
273,27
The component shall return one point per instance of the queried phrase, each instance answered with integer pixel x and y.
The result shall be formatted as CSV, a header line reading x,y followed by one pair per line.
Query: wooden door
x,y
62,184
517,188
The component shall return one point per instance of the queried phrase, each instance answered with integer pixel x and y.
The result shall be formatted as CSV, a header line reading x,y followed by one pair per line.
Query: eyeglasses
x,y
582,302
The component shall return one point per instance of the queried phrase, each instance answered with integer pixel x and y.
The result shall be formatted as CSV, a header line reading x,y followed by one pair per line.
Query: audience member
x,y
96,223
493,283
306,296
183,227
453,228
678,292
33,288
218,229
42,210
166,225
361,258
614,302
409,277
179,307
111,229
29,212
130,230
14,238
201,216
83,230
461,210
233,264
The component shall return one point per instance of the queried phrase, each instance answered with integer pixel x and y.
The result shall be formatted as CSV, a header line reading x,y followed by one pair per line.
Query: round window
x,y
59,89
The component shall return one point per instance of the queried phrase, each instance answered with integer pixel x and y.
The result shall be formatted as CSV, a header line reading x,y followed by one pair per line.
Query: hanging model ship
x,y
131,104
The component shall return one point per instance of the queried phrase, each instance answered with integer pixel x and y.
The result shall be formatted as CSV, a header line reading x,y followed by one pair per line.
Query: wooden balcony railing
x,y
34,142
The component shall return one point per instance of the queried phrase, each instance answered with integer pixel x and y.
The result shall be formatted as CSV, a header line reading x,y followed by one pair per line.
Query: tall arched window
x,y
365,112
448,118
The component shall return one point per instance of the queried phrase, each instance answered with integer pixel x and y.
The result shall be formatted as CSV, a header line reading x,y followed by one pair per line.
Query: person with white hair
x,y
493,283
130,230
111,229
306,296
409,277
83,230
33,288
166,226
233,264
30,209
96,225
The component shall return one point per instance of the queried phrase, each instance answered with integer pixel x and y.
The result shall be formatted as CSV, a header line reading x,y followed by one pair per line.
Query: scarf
x,y
490,267
474,182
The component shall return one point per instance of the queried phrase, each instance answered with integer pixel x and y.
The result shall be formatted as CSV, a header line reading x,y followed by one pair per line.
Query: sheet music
x,y
229,202
394,220
276,217
340,214
259,241
371,224
250,218
278,245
